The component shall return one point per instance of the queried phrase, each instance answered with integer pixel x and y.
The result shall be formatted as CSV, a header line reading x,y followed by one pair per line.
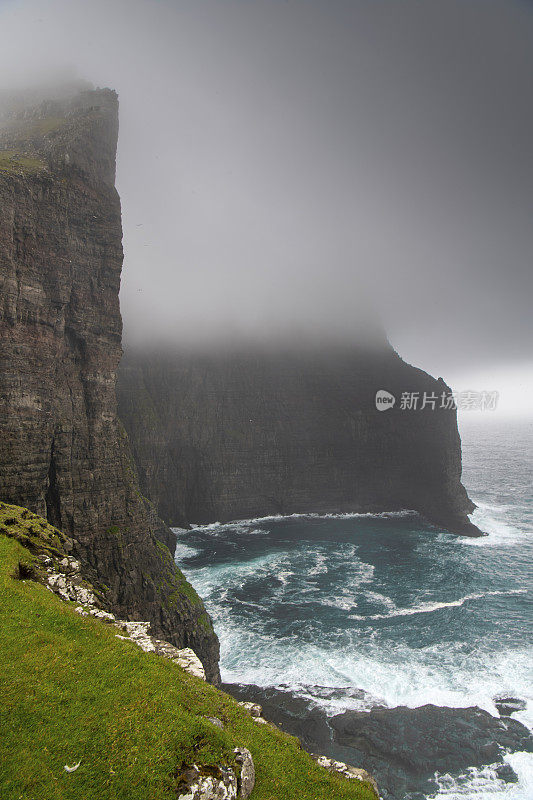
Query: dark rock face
x,y
293,714
402,747
236,435
406,746
63,451
508,705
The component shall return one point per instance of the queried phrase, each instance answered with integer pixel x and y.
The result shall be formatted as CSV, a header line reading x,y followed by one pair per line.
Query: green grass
x,y
71,690
31,531
13,162
24,130
41,127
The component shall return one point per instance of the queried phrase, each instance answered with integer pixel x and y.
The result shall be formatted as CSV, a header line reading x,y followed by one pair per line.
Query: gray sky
x,y
279,158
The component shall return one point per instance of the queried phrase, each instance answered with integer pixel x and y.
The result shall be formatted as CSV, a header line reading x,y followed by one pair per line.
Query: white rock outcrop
x,y
255,711
243,757
68,584
222,785
346,770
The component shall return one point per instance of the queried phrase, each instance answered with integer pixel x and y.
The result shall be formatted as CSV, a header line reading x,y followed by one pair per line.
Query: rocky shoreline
x,y
403,748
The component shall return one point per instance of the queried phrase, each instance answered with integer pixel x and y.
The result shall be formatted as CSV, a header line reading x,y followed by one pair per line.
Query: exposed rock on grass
x,y
346,770
247,775
197,783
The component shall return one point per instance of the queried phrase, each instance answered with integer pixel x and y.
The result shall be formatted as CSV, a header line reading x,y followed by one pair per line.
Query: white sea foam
x,y
442,675
492,521
243,524
184,551
346,597
283,576
376,597
247,526
321,565
356,668
209,579
396,675
484,784
427,608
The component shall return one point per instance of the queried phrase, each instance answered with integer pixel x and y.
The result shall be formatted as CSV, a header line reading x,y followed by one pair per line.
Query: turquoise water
x,y
385,603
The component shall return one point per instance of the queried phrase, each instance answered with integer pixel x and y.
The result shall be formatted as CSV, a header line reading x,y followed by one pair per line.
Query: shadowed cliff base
x,y
244,433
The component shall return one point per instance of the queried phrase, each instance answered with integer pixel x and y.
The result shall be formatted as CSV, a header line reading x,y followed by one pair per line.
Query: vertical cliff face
x,y
63,451
246,434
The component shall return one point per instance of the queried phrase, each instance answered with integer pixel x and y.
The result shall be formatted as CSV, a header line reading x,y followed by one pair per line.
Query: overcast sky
x,y
280,159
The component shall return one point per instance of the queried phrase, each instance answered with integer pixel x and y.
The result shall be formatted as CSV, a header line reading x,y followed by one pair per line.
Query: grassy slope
x,y
71,690
13,162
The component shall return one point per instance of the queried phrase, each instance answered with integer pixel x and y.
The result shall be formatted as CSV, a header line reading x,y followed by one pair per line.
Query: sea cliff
x,y
238,434
63,451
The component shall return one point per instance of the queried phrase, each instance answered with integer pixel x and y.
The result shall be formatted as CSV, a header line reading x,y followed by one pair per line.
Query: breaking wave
x,y
428,608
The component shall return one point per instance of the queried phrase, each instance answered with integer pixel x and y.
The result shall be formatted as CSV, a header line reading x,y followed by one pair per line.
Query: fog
x,y
309,167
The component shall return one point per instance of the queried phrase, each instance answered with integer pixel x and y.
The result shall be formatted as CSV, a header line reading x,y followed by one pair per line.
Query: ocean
x,y
360,611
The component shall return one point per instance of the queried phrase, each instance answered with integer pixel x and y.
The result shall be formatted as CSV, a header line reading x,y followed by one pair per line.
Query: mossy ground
x,y
31,530
13,162
39,127
71,690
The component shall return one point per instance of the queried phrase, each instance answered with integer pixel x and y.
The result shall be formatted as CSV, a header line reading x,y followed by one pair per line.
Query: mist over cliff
x,y
278,161
251,432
